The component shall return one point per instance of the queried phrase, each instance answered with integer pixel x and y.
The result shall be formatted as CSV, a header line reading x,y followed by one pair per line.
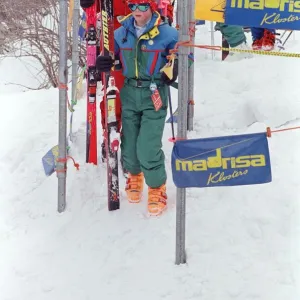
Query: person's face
x,y
141,12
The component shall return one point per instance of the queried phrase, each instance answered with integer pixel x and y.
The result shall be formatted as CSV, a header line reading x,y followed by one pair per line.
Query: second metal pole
x,y
191,102
183,94
63,81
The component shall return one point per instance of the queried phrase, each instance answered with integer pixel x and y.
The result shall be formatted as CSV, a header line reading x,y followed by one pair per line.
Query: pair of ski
x,y
102,39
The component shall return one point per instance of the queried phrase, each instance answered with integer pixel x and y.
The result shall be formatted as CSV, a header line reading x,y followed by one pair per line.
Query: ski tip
x,y
113,206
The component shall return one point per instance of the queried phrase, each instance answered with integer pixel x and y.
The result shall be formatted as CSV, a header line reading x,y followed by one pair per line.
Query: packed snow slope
x,y
242,242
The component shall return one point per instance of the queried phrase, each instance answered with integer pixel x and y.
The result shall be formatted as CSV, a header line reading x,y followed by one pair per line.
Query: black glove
x,y
165,79
104,63
86,3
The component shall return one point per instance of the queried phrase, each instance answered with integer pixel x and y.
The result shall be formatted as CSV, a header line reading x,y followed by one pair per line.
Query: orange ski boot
x,y
134,187
157,200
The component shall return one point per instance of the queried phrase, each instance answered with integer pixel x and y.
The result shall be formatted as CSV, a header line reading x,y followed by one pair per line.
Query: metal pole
x,y
183,94
75,59
191,104
212,39
63,81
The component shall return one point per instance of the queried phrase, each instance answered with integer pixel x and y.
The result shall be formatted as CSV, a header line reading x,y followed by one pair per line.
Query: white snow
x,y
242,242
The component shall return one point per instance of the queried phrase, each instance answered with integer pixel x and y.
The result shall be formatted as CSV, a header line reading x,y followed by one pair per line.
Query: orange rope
x,y
192,31
192,28
64,160
269,131
217,48
62,86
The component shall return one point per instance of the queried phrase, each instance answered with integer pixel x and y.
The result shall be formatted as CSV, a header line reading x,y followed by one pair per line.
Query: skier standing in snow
x,y
236,38
143,43
263,39
120,11
234,35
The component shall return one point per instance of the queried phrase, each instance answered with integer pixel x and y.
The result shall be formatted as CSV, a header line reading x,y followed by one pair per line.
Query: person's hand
x,y
86,3
104,63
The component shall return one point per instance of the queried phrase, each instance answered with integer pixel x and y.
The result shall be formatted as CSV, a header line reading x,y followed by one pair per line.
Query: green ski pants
x,y
142,131
234,35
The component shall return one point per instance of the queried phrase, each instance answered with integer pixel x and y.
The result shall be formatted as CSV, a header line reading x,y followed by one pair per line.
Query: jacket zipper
x,y
136,51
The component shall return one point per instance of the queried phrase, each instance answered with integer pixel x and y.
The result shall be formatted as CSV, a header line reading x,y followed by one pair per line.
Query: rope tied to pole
x,y
269,131
192,28
191,32
63,86
64,160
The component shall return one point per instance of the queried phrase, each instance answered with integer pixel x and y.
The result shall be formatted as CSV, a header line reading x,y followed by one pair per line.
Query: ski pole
x,y
171,113
287,38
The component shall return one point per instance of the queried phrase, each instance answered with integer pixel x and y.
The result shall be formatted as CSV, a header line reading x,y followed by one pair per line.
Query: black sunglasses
x,y
142,7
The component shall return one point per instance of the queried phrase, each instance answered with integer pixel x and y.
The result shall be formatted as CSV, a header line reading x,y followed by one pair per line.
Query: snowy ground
x,y
242,242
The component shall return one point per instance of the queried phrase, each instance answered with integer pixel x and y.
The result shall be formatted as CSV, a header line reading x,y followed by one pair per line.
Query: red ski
x,y
91,48
110,100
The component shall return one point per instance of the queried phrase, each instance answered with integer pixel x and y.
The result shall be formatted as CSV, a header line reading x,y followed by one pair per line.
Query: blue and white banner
x,y
82,27
49,161
222,161
200,22
275,14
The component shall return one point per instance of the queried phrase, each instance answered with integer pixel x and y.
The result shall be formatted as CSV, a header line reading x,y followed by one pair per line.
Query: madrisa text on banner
x,y
222,161
275,14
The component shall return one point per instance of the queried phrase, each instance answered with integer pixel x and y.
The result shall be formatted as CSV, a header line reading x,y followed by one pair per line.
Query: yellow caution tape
x,y
261,52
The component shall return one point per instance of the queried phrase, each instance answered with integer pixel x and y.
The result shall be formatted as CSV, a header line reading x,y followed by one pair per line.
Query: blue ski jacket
x,y
143,57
